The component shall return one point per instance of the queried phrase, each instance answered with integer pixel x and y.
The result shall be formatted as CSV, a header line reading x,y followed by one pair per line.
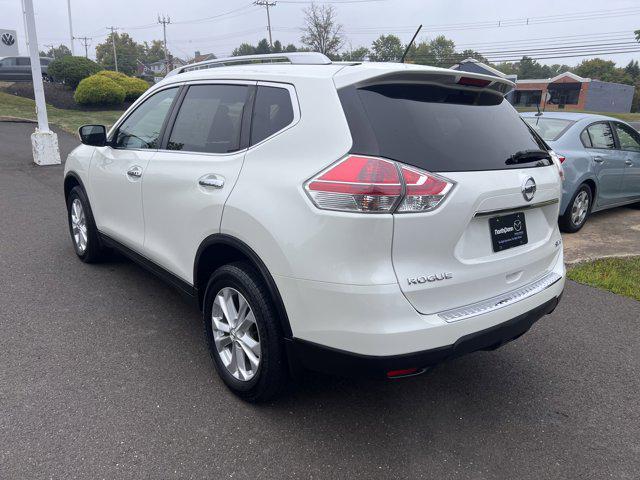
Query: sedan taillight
x,y
376,185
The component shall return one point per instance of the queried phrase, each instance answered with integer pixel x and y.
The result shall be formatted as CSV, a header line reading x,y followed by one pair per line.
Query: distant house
x,y
159,67
569,91
198,57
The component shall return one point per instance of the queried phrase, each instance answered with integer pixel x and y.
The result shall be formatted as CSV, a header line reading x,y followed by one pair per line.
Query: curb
x,y
16,119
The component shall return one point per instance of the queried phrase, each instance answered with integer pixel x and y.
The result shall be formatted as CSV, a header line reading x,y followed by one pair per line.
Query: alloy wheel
x,y
580,208
235,334
79,225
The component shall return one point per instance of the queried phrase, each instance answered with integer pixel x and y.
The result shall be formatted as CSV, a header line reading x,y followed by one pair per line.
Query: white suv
x,y
354,218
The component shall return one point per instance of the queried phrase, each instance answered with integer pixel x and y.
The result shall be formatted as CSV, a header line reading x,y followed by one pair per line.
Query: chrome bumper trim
x,y
500,211
495,303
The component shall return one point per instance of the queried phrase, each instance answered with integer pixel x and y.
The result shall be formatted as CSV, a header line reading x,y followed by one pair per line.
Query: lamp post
x,y
44,142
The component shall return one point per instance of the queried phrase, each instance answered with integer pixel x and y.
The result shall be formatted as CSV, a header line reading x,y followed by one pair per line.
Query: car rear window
x,y
437,128
549,129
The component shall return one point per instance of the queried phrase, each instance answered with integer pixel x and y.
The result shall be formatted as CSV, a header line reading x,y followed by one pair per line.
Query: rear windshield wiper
x,y
527,156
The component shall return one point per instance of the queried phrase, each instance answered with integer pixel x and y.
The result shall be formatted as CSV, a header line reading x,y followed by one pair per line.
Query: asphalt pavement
x,y
104,373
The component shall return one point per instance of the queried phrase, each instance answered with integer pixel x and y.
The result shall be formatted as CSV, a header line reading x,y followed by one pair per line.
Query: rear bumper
x,y
340,362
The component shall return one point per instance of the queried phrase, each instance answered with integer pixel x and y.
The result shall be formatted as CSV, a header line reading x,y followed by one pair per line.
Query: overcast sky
x,y
493,27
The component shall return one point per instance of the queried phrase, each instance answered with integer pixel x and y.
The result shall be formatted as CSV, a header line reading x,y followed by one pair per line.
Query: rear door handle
x,y
628,162
211,181
134,172
598,159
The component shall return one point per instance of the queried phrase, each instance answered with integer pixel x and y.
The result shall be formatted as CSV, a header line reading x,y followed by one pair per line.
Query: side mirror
x,y
94,135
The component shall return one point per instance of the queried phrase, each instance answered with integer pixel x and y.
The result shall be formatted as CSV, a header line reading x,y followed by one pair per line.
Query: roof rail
x,y
296,58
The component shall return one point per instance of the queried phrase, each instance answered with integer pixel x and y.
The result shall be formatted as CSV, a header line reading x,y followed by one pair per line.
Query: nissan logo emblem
x,y
529,189
8,39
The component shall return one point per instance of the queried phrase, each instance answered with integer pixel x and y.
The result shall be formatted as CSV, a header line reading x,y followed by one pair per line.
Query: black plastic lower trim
x,y
339,362
184,287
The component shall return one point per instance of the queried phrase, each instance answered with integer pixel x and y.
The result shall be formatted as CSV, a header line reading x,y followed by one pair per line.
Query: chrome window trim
x,y
500,301
500,211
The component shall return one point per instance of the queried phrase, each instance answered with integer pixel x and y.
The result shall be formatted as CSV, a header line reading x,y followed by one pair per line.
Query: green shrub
x,y
71,70
133,87
99,90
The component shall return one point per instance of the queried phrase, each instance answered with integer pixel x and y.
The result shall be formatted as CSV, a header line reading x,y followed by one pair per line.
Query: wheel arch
x,y
72,180
219,249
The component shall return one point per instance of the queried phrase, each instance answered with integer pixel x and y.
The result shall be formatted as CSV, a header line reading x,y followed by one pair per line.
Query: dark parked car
x,y
18,69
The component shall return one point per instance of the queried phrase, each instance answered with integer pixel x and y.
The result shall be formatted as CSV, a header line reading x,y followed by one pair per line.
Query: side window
x,y
629,138
601,136
23,62
584,137
209,119
272,112
142,128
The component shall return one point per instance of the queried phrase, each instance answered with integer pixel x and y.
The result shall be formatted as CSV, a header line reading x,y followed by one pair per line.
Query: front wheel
x,y
577,211
82,227
244,336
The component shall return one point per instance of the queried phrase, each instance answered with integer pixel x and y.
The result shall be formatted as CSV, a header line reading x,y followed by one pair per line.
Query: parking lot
x,y
104,373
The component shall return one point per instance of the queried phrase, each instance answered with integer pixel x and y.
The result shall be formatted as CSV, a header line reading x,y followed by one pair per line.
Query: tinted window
x,y
23,62
209,119
8,62
142,128
437,128
601,136
272,112
628,137
548,128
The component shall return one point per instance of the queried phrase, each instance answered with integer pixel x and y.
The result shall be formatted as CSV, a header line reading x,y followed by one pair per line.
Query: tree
x,y
321,32
604,70
386,48
439,52
128,52
154,52
263,47
357,55
56,52
277,47
244,49
633,69
290,48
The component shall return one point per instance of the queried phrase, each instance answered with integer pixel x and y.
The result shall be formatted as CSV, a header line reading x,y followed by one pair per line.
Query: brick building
x,y
568,91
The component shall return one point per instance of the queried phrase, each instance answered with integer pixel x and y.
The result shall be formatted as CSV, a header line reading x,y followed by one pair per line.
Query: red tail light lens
x,y
473,82
375,185
561,158
424,191
357,184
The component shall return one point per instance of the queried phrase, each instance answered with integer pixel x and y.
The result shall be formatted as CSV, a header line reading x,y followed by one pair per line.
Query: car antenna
x,y
410,43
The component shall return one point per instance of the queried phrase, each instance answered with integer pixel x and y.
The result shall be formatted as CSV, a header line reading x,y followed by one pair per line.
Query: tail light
x,y
558,160
375,185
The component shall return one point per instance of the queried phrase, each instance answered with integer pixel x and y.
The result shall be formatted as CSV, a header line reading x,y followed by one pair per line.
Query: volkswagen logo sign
x,y
528,189
8,39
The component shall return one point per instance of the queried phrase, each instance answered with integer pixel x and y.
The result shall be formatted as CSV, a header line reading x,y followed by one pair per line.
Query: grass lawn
x,y
627,117
69,120
618,275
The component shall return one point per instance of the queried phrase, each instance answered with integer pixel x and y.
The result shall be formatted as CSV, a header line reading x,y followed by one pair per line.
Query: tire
x,y
261,381
89,250
578,210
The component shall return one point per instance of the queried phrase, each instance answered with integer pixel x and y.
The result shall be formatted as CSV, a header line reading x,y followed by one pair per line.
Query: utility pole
x,y
164,21
70,27
267,4
113,42
85,44
44,142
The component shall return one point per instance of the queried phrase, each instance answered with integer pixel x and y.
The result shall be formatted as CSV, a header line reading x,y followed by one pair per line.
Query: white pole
x,y
43,140
70,27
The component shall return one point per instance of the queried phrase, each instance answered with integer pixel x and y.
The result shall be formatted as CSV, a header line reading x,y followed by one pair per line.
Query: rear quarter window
x,y
437,128
272,112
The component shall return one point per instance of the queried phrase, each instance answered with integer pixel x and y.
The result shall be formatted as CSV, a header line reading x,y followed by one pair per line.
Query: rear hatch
x,y
484,238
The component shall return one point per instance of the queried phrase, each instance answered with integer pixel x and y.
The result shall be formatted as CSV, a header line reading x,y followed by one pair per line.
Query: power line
x,y
85,43
165,21
113,43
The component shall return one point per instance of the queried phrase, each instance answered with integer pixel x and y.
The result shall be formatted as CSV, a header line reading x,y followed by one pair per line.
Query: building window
x,y
564,93
527,98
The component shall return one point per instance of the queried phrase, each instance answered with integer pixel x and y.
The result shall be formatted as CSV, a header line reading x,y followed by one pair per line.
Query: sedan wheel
x,y
79,226
580,208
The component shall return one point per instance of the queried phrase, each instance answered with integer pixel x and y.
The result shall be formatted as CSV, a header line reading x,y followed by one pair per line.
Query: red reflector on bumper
x,y
401,373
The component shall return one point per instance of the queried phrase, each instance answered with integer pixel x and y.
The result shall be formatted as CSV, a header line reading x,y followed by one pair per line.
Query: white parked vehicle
x,y
354,218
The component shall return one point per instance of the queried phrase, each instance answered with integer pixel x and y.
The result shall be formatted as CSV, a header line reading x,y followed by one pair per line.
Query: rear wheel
x,y
82,227
577,211
245,339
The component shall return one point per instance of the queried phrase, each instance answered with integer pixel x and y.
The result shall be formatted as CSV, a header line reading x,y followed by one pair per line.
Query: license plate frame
x,y
508,231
